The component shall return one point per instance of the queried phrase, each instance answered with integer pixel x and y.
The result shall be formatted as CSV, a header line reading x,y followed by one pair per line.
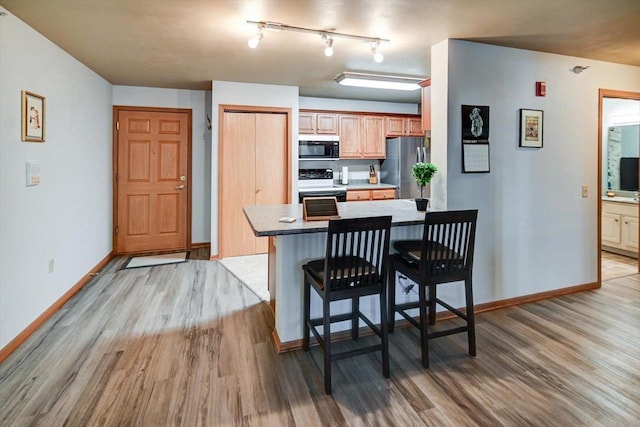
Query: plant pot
x,y
421,204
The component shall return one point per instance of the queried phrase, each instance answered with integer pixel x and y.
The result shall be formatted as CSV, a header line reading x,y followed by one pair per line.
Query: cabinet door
x,y
610,228
426,106
630,233
415,127
395,126
306,123
327,124
386,194
358,195
350,136
373,138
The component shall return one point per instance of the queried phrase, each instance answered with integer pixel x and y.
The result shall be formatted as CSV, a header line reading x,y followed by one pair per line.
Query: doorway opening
x,y
618,208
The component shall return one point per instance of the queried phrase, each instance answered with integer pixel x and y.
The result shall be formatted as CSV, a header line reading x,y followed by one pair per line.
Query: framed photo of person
x,y
33,117
531,128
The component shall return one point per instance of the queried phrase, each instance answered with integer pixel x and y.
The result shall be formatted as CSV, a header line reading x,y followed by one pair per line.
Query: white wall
x,y
67,217
201,144
354,105
232,93
535,231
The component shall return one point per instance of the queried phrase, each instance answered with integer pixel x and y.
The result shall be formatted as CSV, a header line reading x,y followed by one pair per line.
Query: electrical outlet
x,y
51,265
585,191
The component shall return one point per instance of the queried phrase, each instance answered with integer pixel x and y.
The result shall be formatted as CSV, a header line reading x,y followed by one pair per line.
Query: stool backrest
x,y
448,244
357,253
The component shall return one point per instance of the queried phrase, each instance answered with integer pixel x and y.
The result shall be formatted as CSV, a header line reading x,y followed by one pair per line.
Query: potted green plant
x,y
423,172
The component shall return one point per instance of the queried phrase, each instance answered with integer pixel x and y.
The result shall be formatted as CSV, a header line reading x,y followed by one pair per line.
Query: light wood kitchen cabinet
x,y
403,126
361,137
426,105
620,226
363,195
317,123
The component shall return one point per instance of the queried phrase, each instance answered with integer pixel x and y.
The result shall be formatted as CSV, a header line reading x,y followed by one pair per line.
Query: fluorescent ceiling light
x,y
377,81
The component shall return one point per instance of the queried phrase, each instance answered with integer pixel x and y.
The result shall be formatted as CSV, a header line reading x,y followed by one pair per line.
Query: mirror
x,y
623,152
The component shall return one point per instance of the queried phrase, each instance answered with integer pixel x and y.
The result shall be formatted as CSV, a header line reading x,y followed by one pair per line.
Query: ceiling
x,y
186,44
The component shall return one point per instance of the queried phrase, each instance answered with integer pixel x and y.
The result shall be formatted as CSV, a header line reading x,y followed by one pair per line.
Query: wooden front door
x,y
152,179
253,171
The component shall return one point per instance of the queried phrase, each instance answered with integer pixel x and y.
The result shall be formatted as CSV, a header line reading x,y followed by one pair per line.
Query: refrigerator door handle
x,y
424,154
418,155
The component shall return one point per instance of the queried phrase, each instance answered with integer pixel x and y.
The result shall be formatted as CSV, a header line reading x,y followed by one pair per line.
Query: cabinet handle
x,y
615,220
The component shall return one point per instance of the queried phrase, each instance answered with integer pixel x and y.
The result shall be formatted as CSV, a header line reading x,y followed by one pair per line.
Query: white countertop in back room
x,y
619,199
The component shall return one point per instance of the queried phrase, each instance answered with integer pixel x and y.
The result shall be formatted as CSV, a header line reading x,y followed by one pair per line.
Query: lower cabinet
x,y
362,195
620,226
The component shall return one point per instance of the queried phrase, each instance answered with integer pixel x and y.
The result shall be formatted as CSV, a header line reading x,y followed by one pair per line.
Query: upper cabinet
x,y
361,137
318,123
426,104
403,126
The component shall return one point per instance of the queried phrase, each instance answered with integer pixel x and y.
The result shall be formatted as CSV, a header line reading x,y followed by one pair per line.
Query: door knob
x,y
180,187
183,178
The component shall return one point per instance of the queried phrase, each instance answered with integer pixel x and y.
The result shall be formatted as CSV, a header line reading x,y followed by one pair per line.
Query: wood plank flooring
x,y
615,265
188,345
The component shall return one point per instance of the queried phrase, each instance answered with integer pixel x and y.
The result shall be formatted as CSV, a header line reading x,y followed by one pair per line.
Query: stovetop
x,y
317,180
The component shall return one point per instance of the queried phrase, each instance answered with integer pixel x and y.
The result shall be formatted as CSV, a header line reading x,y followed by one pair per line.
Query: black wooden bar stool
x,y
355,265
444,255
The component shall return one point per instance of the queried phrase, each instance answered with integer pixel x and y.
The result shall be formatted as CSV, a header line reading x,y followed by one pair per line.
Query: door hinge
x,y
117,125
117,229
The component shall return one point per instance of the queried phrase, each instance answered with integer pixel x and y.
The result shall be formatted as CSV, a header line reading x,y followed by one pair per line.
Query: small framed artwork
x,y
33,117
531,128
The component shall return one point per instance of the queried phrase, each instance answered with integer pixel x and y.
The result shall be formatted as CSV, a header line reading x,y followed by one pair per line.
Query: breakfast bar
x,y
292,244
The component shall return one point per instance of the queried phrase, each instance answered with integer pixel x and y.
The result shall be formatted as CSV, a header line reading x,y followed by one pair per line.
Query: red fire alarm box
x,y
541,88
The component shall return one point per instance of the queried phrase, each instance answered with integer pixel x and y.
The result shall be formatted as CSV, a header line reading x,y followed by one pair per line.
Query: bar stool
x,y
355,265
444,255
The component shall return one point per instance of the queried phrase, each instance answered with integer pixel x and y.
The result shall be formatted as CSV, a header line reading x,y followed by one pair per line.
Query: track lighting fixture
x,y
326,35
375,49
579,68
328,40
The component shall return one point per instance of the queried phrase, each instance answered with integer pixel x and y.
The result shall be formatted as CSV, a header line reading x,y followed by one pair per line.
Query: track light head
x,y
375,49
255,40
579,68
328,40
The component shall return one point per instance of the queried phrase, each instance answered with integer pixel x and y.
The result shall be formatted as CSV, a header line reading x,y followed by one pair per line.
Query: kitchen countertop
x,y
263,219
619,199
364,185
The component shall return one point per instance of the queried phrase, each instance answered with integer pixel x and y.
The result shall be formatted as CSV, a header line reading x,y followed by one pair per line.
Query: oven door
x,y
340,195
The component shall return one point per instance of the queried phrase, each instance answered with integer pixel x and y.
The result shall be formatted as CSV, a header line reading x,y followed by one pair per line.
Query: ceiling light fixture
x,y
255,40
328,40
375,49
378,81
327,36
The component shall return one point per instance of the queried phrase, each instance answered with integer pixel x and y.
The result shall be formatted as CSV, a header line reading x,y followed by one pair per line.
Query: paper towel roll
x,y
345,175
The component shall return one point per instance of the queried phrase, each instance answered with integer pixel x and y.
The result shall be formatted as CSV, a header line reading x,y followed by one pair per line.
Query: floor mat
x,y
153,260
252,271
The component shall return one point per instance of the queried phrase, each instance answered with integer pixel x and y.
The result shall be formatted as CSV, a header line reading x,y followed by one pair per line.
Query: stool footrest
x,y
356,352
446,332
452,309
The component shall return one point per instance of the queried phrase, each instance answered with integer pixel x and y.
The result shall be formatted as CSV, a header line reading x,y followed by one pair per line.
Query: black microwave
x,y
318,147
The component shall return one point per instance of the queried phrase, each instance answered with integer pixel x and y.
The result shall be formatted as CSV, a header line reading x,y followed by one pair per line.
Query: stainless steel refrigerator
x,y
402,153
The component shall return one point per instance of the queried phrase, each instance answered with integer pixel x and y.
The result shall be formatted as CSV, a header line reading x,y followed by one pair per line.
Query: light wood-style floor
x,y
614,265
188,345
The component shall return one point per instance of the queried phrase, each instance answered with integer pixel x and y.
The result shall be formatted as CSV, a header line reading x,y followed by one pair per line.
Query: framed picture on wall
x,y
33,117
531,128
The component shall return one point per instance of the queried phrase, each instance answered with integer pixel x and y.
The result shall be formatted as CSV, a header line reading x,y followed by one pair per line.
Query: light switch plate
x,y
33,173
585,191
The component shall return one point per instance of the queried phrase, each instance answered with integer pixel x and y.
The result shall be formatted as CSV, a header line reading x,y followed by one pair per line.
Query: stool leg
x,y
355,320
391,292
306,314
385,333
432,303
424,343
327,345
471,322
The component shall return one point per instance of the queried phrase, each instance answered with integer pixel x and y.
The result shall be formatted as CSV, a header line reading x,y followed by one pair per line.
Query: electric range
x,y
319,183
